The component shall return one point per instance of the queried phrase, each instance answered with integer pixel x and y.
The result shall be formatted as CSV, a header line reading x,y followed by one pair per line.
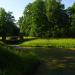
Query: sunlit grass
x,y
59,43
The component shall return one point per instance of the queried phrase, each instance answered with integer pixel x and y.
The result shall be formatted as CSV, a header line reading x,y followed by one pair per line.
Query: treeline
x,y
48,18
7,24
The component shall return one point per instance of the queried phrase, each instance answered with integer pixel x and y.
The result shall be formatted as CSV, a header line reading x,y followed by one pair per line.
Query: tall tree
x,y
35,21
39,19
25,20
57,17
71,13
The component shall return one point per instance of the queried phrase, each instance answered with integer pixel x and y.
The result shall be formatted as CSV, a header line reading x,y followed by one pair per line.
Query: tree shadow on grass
x,y
56,61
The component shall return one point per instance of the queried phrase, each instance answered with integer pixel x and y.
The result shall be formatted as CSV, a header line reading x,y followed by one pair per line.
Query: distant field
x,y
57,43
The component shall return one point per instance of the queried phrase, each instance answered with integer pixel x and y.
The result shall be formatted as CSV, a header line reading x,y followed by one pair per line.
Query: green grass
x,y
14,62
54,61
57,57
57,43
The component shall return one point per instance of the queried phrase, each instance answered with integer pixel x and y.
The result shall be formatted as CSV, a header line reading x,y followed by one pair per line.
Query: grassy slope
x,y
13,62
58,43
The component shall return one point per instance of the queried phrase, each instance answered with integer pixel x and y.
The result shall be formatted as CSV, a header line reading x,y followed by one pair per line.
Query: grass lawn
x,y
57,55
54,43
44,57
54,61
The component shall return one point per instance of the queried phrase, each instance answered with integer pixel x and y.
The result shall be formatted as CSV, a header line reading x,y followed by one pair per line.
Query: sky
x,y
18,6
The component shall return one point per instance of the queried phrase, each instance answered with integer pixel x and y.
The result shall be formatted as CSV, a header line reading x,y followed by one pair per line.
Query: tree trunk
x,y
3,38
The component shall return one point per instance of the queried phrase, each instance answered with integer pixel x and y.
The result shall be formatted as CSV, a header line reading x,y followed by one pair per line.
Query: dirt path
x,y
19,47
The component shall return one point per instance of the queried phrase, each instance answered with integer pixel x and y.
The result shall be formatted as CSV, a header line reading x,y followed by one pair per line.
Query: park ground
x,y
36,56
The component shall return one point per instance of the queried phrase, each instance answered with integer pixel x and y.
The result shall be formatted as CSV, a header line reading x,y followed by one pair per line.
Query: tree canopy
x,y
41,18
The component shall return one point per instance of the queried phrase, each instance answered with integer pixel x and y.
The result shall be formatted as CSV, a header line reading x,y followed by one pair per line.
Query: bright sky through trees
x,y
17,6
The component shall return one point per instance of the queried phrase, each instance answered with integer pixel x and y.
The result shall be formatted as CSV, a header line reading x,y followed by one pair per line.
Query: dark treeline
x,y
48,18
7,24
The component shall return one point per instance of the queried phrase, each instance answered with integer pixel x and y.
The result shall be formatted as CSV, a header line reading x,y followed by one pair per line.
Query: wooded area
x,y
48,18
41,18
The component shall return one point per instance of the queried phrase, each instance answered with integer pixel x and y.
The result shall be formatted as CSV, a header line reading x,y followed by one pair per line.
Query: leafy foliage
x,y
48,18
7,25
